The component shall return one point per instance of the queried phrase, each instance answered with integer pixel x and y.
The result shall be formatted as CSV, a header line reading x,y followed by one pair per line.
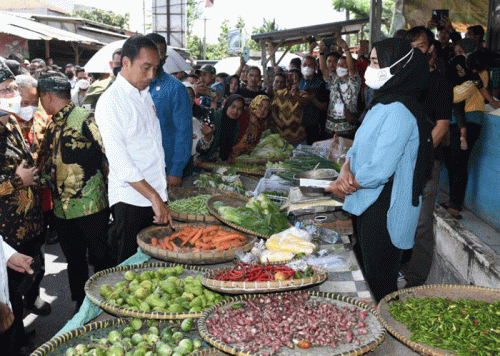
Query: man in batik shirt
x,y
76,159
20,194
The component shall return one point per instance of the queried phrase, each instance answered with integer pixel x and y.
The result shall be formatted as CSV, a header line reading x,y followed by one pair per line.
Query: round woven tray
x,y
114,275
235,202
455,292
319,276
260,161
183,193
369,341
88,333
193,258
209,166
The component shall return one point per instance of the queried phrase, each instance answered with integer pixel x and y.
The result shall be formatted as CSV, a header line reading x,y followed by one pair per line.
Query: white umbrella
x,y
231,64
175,63
99,63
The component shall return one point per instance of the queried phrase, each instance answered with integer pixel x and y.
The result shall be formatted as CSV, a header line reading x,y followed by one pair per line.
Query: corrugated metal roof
x,y
29,5
295,35
32,30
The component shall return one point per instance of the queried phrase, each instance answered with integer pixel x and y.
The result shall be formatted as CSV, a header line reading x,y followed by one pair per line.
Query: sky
x,y
288,13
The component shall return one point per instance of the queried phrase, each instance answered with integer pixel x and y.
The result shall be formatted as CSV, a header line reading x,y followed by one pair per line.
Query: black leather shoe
x,y
39,307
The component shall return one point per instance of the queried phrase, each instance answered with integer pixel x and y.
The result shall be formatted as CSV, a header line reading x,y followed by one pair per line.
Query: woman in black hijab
x,y
389,162
219,139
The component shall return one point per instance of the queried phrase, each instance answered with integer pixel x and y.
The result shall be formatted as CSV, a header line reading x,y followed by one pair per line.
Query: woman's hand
x,y
335,189
207,131
346,182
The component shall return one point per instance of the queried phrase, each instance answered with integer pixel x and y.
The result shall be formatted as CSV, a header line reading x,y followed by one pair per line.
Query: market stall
x,y
236,277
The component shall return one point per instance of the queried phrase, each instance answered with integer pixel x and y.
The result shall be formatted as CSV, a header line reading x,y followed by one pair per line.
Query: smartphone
x,y
246,54
270,72
311,39
438,15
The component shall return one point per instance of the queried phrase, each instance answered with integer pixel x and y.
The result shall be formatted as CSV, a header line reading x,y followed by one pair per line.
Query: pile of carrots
x,y
194,239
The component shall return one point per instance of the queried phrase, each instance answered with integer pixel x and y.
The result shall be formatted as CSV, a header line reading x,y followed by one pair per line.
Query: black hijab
x,y
227,128
409,81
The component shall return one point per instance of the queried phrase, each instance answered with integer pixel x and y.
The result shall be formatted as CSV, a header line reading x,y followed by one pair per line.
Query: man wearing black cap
x,y
207,88
20,194
73,152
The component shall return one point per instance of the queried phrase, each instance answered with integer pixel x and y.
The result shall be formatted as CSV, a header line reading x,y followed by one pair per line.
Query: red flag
x,y
209,3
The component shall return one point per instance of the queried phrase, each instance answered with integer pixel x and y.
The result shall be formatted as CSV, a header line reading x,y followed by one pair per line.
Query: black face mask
x,y
116,70
70,75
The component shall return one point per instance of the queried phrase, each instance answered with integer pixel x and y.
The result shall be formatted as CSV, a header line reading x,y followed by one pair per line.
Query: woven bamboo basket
x,y
369,342
183,193
319,276
89,333
454,292
114,275
188,257
209,166
235,202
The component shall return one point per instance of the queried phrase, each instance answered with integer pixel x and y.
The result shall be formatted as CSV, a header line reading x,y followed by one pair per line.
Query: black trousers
x,y
313,134
456,161
128,220
8,343
381,260
77,237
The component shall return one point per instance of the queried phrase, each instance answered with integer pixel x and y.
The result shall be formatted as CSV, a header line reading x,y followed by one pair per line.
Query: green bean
x,y
466,327
196,205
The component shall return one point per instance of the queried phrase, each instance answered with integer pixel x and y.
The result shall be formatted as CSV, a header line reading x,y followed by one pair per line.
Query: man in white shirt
x,y
131,134
20,263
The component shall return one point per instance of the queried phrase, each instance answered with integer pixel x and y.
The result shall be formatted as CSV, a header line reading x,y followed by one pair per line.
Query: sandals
x,y
455,214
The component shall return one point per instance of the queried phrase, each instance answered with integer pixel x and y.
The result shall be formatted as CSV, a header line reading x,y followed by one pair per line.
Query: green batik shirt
x,y
75,155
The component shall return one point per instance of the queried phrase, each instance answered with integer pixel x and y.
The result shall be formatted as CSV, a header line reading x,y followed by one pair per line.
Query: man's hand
x,y
162,213
431,24
28,175
20,263
6,318
173,182
446,23
200,89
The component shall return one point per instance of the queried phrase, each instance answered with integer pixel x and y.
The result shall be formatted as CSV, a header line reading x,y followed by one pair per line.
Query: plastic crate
x,y
304,150
271,185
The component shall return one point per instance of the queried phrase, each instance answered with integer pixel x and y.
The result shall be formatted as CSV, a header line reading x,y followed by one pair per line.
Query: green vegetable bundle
x,y
160,291
270,147
259,215
196,205
308,162
465,327
224,178
136,339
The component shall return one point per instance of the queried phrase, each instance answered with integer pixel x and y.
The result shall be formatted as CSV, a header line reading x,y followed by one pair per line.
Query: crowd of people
x,y
76,148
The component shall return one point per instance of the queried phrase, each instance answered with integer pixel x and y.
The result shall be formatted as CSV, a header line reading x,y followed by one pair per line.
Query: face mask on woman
x,y
27,112
307,71
12,105
376,78
342,72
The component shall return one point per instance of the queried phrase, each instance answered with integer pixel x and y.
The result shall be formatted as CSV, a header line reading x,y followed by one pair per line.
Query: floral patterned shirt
x,y
349,89
20,207
73,151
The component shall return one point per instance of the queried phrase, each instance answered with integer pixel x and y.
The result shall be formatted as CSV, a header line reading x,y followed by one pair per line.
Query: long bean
x,y
196,205
466,327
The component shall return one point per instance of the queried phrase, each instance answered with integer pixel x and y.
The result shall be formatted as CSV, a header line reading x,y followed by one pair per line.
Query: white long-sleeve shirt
x,y
131,135
6,253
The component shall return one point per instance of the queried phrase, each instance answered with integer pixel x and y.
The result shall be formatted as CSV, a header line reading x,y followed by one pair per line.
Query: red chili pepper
x,y
476,322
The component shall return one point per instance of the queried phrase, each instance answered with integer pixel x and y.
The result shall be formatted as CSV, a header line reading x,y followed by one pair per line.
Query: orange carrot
x,y
196,237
